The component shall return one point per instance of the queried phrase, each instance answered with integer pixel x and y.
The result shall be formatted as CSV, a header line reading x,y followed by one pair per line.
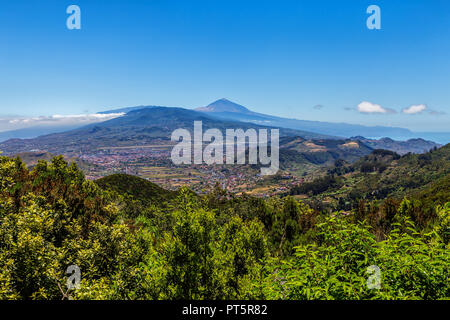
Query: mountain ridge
x,y
226,110
225,105
137,127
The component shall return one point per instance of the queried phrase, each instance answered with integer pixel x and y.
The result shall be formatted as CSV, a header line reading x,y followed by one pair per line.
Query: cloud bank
x,y
57,118
12,123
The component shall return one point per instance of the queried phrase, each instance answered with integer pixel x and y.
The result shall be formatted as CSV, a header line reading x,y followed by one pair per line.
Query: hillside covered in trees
x,y
133,240
383,175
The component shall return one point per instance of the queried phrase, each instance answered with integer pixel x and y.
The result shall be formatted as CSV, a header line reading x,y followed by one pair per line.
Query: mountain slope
x,y
224,105
137,127
401,147
298,154
384,174
153,124
139,189
225,109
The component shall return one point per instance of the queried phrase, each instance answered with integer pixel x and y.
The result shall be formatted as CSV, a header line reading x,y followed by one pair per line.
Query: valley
x,y
138,143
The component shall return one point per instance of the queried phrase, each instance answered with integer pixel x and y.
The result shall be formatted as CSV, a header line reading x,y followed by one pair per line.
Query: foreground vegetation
x,y
141,242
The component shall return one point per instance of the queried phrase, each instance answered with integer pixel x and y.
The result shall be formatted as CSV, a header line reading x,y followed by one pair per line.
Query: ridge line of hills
x,y
226,110
147,124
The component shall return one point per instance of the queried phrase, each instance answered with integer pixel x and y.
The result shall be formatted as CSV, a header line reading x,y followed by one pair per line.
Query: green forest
x,y
134,240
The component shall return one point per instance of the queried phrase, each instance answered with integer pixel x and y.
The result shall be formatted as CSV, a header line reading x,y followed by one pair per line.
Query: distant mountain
x,y
300,155
347,149
128,109
224,105
401,147
33,132
439,137
225,109
138,127
147,124
383,174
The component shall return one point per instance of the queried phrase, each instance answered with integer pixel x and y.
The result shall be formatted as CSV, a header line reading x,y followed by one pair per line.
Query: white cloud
x,y
17,122
63,119
369,107
414,109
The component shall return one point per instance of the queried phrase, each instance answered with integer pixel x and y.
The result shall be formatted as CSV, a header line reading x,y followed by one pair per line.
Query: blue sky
x,y
277,57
